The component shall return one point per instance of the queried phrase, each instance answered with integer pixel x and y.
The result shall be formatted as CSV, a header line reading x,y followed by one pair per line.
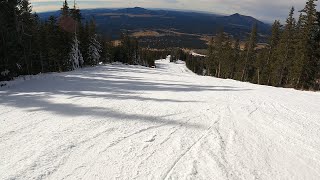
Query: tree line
x,y
290,59
29,45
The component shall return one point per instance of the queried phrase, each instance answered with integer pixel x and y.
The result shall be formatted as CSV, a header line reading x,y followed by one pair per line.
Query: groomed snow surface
x,y
131,122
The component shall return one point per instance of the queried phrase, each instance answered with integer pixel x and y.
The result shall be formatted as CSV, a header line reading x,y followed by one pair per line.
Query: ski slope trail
x,y
131,122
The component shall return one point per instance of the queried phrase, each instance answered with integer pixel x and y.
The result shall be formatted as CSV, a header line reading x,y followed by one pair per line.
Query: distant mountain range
x,y
112,22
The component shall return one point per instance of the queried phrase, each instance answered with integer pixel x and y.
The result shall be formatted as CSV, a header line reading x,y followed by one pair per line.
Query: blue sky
x,y
267,10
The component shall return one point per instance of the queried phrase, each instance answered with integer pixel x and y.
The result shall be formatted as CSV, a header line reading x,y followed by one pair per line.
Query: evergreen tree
x,y
94,51
75,14
285,51
317,54
307,56
273,44
106,54
210,59
297,65
235,58
11,46
65,9
27,24
85,40
53,45
261,64
250,54
69,22
218,52
76,58
226,58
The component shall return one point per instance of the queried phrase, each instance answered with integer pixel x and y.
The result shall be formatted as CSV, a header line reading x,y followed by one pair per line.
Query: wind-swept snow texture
x,y
130,122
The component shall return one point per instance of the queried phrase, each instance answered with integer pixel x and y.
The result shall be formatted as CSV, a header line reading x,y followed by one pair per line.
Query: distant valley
x,y
169,28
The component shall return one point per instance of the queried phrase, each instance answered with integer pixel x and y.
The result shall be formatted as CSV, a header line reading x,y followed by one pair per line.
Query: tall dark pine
x,y
285,52
210,59
297,65
76,14
219,50
65,9
11,48
27,26
17,26
53,43
250,53
235,58
308,58
317,54
273,44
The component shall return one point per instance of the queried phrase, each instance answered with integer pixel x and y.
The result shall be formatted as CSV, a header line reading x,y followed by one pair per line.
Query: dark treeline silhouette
x,y
30,46
290,59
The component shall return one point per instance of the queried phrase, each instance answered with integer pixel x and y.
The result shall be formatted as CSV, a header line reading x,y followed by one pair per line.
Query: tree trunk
x,y
245,66
280,77
219,71
258,75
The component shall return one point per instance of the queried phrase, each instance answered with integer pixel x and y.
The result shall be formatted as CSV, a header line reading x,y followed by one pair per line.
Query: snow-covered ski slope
x,y
130,122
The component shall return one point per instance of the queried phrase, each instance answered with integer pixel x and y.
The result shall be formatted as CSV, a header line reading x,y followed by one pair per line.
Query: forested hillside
x,y
113,21
62,43
170,28
290,59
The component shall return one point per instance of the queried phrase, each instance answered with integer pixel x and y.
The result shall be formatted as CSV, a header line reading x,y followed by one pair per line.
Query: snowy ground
x,y
130,122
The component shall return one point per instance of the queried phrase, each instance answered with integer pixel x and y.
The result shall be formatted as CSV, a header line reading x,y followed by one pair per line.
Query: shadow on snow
x,y
106,83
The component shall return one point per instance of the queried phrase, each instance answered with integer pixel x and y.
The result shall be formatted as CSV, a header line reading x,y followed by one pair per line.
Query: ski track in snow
x,y
131,122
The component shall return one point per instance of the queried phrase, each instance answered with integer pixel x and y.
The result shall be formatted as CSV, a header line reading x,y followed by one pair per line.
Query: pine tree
x,y
42,47
11,51
261,66
227,60
106,54
211,58
219,48
94,51
317,54
129,49
250,53
285,51
297,65
53,45
75,55
27,23
307,56
75,59
235,58
135,53
65,9
76,14
273,44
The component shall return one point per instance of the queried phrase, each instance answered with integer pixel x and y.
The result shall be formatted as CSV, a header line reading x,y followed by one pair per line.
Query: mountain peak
x,y
139,8
243,20
134,10
236,14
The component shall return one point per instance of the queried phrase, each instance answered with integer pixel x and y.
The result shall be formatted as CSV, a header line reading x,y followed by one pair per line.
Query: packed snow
x,y
130,122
